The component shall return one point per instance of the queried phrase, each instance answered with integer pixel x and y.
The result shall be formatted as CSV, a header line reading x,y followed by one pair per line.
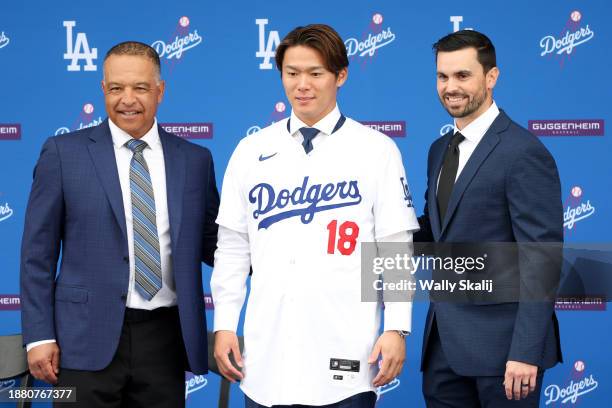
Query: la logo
x,y
80,51
266,50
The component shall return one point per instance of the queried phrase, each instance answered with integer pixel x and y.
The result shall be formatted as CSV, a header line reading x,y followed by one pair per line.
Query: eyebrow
x,y
463,71
122,84
317,67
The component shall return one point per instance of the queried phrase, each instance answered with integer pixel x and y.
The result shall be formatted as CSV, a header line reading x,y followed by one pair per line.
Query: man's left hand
x,y
393,349
520,379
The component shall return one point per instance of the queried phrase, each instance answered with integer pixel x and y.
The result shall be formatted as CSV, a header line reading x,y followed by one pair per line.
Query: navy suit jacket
x,y
508,191
76,208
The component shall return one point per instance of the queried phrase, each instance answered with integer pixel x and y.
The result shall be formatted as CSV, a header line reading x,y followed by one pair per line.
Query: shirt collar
x,y
325,125
121,137
475,131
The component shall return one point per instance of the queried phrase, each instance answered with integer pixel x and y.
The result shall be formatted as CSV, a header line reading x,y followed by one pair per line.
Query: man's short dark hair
x,y
138,49
320,37
469,39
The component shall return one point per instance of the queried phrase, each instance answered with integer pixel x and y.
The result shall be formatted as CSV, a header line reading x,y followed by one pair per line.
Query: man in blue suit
x,y
489,180
131,209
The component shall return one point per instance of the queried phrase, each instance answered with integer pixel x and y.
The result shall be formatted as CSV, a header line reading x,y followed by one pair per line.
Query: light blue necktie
x,y
309,134
146,241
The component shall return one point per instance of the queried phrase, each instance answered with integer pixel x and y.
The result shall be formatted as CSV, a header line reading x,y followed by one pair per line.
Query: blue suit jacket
x,y
76,208
509,191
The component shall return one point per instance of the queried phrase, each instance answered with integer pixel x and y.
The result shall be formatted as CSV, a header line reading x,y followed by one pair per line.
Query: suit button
x,y
124,297
126,259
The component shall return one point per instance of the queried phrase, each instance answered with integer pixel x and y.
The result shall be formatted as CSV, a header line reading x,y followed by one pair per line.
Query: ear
x,y
103,86
491,77
161,86
342,77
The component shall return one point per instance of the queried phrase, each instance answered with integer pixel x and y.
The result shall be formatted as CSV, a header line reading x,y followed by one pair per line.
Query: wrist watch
x,y
402,333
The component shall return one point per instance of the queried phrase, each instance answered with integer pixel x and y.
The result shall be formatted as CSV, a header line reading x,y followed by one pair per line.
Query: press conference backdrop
x,y
222,84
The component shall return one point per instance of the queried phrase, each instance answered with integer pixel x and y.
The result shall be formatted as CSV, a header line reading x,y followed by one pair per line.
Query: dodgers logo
x,y
407,195
446,128
4,40
576,209
267,49
573,35
7,385
6,212
387,387
85,120
195,383
457,20
578,386
186,40
278,113
377,38
310,198
79,50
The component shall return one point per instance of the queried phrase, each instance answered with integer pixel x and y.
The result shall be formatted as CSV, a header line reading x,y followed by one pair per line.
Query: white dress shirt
x,y
325,126
473,133
154,156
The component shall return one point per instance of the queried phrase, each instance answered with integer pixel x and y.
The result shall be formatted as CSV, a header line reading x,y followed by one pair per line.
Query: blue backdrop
x,y
221,84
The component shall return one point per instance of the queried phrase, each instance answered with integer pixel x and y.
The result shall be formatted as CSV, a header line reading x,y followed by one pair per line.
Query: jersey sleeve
x,y
233,207
393,207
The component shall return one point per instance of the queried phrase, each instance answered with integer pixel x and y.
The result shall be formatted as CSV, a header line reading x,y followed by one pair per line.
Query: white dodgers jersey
x,y
306,217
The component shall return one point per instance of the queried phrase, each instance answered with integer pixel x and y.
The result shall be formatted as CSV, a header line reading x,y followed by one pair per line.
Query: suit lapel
x,y
482,151
175,164
103,156
432,188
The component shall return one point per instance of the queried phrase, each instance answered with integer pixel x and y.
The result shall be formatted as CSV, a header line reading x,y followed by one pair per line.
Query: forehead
x,y
453,61
301,56
129,66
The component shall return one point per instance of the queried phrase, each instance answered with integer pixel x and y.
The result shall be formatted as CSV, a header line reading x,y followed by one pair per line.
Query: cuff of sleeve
x,y
398,316
30,346
225,318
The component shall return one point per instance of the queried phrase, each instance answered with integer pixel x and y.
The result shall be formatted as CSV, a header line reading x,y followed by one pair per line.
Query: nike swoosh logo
x,y
262,157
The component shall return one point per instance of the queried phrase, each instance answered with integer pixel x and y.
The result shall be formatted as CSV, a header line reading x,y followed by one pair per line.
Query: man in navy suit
x,y
489,180
131,209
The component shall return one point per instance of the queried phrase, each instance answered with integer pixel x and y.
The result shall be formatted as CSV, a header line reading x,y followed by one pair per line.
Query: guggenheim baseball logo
x,y
182,40
567,127
376,36
4,40
578,386
78,49
10,131
195,130
9,302
573,35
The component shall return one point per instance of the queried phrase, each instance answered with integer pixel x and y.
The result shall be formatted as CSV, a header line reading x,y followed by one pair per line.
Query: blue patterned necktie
x,y
148,274
309,134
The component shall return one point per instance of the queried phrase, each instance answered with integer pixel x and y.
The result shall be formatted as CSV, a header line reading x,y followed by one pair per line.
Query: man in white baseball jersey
x,y
298,199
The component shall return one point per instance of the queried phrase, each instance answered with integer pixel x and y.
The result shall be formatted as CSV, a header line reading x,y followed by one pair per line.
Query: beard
x,y
474,103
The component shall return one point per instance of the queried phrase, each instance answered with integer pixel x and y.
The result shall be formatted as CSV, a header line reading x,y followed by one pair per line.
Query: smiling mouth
x,y
304,98
129,113
454,99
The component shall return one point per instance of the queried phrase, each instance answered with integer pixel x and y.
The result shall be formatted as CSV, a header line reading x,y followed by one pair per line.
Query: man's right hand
x,y
43,362
226,342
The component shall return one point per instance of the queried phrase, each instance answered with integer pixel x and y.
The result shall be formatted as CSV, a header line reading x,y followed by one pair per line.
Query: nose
x,y
451,85
128,97
303,82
